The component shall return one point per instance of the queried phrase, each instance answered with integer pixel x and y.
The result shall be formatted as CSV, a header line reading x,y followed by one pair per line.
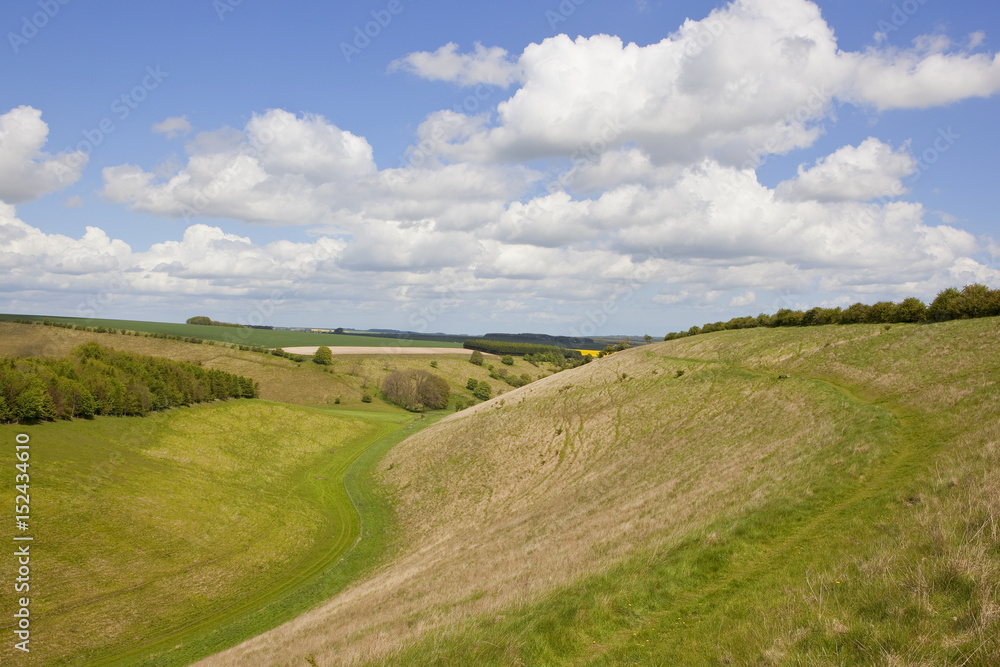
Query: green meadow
x,y
166,531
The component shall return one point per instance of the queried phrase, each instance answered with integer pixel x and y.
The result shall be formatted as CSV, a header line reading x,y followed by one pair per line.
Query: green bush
x,y
507,360
476,358
483,391
323,356
471,384
416,390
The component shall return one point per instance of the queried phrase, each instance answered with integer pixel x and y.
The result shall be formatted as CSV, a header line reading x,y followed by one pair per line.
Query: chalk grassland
x,y
244,336
182,519
280,379
626,513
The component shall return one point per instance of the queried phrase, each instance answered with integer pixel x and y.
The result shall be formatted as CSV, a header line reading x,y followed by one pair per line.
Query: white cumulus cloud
x,y
484,65
871,169
26,172
175,126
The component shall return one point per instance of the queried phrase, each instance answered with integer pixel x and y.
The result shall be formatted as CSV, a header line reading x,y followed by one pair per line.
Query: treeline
x,y
208,321
971,301
543,339
96,380
511,347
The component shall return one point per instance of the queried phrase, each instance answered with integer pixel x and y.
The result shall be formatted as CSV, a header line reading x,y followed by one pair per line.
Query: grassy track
x,y
356,504
243,336
192,529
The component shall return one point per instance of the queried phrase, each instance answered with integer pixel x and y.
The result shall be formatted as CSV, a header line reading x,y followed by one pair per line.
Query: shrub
x,y
366,398
416,390
507,360
471,384
483,391
323,356
911,310
476,358
946,306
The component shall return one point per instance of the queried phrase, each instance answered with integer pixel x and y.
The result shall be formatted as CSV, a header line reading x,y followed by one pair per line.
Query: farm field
x,y
243,336
680,503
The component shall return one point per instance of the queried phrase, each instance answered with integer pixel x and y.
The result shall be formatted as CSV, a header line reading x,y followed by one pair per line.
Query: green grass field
x,y
242,336
195,527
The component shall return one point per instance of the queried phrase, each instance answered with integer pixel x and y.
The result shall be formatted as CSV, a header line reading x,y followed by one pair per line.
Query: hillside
x,y
186,531
279,379
681,503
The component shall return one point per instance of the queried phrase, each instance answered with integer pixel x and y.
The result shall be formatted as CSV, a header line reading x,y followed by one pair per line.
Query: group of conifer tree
x,y
96,380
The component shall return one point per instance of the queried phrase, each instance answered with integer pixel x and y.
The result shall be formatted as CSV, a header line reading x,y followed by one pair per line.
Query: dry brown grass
x,y
570,476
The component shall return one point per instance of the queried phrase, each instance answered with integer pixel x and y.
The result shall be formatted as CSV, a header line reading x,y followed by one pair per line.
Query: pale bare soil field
x,y
630,456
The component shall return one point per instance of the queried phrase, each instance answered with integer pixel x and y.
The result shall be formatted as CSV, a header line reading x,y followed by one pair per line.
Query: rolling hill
x,y
684,503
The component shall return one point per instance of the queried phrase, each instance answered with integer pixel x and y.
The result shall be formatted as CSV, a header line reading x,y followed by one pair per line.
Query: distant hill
x,y
801,495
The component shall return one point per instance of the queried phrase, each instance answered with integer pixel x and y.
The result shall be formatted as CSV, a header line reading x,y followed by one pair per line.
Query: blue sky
x,y
695,194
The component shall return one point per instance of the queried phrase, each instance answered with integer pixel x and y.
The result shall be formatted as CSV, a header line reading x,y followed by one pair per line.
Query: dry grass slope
x,y
874,465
